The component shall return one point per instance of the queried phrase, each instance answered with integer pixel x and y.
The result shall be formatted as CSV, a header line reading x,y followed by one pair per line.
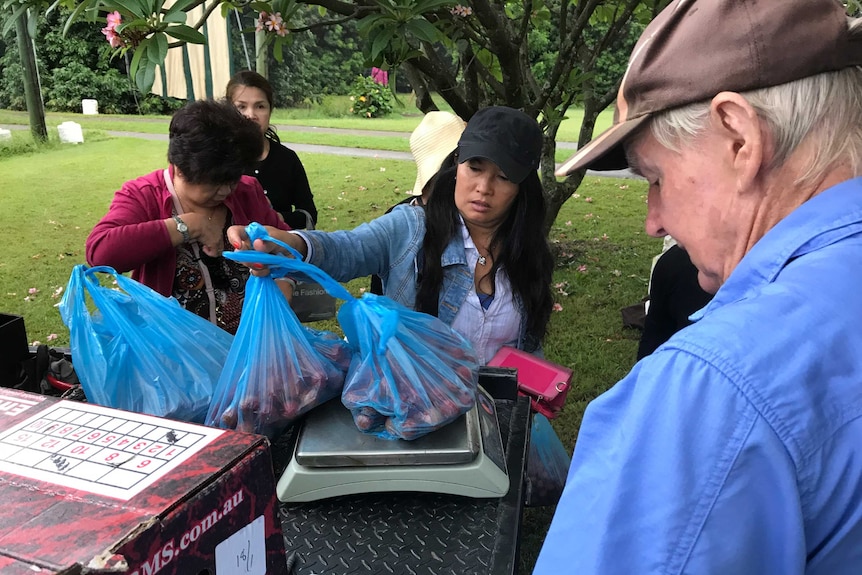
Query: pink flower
x,y
462,11
275,23
114,19
588,200
52,337
110,31
380,76
582,268
558,307
33,291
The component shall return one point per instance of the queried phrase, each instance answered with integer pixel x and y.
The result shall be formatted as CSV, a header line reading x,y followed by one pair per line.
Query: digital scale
x,y
332,457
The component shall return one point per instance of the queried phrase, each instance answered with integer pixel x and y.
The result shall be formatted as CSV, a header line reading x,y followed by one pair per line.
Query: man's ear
x,y
735,120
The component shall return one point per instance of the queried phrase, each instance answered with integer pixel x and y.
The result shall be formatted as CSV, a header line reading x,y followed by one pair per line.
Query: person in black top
x,y
674,295
279,170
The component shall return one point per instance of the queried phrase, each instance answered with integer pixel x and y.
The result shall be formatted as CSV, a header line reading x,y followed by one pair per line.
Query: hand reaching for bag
x,y
238,237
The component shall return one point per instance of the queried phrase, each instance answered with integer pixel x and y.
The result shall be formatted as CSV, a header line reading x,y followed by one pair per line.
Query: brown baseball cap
x,y
695,49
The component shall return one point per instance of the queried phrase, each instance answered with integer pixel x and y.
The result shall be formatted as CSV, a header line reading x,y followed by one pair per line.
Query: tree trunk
x,y
557,192
32,90
424,101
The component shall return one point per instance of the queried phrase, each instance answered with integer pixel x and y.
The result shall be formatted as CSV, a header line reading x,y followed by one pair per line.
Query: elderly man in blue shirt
x,y
736,447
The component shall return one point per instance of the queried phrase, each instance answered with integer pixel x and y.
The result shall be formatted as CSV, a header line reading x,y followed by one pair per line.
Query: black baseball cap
x,y
506,136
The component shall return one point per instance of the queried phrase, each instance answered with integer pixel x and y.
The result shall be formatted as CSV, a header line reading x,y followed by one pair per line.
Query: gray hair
x,y
826,107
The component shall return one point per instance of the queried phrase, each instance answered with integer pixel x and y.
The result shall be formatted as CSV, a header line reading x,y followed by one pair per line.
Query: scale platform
x,y
332,457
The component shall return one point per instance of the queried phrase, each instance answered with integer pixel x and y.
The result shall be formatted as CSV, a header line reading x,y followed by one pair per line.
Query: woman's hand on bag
x,y
239,240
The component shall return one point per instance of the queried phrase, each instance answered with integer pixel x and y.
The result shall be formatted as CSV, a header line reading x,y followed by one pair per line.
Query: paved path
x,y
335,150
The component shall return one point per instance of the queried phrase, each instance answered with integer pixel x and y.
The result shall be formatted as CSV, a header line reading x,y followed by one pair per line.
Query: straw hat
x,y
434,138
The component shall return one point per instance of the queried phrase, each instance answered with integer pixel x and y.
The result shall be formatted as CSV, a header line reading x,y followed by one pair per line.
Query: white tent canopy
x,y
195,71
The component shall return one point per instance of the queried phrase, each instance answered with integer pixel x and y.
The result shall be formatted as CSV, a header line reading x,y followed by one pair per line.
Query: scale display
x,y
332,457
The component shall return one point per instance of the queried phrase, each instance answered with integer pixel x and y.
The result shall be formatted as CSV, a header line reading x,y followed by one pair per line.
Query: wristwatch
x,y
183,229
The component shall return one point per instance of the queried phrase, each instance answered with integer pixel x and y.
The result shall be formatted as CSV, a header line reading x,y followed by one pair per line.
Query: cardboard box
x,y
87,489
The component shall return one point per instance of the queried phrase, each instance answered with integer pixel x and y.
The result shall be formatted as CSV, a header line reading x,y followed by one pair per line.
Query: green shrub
x,y
70,84
153,104
370,99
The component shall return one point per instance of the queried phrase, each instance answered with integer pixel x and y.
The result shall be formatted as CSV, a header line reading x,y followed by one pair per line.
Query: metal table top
x,y
411,533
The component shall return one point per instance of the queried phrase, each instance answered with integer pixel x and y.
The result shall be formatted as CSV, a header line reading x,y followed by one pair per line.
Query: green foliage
x,y
22,144
73,67
152,104
370,99
12,81
318,62
388,33
71,83
611,63
334,107
146,29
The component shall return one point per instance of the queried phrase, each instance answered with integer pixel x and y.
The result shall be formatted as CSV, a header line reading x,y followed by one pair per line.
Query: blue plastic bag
x,y
410,373
547,464
141,351
277,368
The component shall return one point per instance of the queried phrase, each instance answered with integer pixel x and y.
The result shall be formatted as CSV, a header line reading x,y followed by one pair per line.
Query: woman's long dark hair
x,y
524,251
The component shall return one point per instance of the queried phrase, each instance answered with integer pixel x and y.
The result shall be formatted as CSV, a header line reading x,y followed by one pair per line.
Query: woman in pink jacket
x,y
168,227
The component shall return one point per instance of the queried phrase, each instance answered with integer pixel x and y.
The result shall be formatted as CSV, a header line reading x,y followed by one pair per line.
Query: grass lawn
x,y
52,199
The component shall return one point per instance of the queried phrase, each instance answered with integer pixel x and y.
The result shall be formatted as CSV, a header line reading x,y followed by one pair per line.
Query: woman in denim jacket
x,y
475,256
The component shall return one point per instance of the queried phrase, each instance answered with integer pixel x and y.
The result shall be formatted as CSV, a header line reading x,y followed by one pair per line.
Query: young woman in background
x,y
278,170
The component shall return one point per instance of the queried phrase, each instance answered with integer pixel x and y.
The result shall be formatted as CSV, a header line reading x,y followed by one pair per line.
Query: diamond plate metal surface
x,y
413,533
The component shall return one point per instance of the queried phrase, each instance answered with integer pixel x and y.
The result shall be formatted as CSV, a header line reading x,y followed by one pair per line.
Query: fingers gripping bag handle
x,y
139,350
277,369
281,266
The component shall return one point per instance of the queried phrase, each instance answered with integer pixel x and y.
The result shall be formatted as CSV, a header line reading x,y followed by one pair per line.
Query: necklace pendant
x,y
482,260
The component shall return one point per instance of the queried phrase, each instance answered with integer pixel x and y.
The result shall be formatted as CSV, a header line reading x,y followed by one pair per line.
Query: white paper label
x,y
99,450
244,552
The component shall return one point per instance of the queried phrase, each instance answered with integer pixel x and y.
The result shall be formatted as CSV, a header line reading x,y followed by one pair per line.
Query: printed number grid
x,y
98,450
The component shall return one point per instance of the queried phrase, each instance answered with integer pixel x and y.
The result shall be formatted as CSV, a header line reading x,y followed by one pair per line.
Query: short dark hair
x,y
210,142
